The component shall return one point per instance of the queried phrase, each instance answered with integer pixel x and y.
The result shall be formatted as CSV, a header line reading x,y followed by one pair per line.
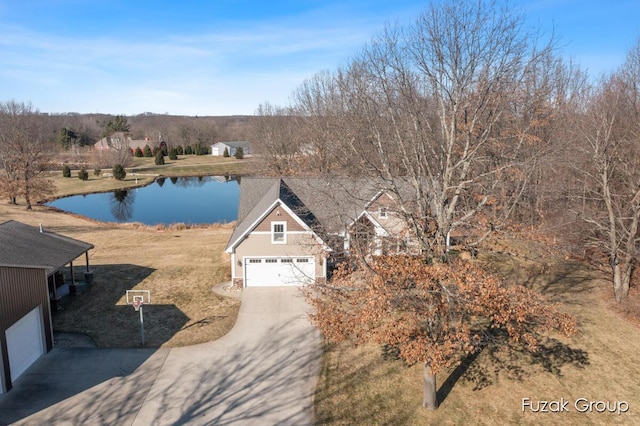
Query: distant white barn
x,y
219,147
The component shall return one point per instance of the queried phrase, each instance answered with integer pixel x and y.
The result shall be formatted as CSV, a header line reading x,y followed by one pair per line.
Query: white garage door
x,y
24,343
279,271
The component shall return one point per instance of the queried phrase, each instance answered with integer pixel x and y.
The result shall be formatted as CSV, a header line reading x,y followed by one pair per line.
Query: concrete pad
x,y
82,386
263,372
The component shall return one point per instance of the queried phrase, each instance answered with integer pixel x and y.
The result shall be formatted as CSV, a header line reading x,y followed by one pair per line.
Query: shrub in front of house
x,y
119,173
180,150
138,153
83,174
188,150
66,171
97,172
226,152
147,151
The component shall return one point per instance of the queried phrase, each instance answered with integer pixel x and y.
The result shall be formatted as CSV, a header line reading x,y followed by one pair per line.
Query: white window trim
x,y
284,232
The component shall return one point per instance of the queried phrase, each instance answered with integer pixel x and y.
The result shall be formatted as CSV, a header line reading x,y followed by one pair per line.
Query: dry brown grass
x,y
179,265
600,363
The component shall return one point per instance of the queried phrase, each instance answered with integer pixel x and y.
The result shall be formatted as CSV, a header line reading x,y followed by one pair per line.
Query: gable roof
x,y
258,196
25,245
323,205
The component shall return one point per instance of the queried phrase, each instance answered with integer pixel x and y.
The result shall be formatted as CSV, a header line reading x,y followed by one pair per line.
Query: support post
x,y
72,286
88,275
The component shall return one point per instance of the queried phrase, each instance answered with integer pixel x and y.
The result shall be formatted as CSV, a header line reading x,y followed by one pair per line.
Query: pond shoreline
x,y
155,177
191,201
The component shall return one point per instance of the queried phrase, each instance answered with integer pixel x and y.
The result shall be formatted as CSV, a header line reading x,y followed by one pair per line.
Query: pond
x,y
189,200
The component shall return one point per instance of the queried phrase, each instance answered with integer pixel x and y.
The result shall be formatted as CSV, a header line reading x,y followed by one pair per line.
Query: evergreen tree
x,y
159,160
173,154
239,153
119,173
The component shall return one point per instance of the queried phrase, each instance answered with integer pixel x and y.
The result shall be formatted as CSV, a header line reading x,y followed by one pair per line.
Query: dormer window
x,y
278,232
382,213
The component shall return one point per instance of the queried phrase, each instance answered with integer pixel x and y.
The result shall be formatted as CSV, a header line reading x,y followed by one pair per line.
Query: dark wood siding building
x,y
23,289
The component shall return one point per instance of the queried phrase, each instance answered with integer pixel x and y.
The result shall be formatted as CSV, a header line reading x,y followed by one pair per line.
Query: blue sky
x,y
225,57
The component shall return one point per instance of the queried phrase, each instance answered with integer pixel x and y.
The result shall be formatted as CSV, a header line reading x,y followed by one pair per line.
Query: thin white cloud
x,y
170,71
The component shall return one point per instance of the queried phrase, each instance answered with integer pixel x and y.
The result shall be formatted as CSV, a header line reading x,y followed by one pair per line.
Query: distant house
x,y
30,260
218,148
120,140
290,230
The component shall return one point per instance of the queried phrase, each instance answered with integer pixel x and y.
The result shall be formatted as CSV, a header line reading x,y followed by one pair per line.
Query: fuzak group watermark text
x,y
580,405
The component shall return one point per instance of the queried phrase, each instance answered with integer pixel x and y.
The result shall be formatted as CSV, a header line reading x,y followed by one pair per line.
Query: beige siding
x,y
303,244
394,224
278,214
384,200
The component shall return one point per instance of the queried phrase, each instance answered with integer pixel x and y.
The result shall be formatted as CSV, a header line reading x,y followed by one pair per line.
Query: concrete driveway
x,y
262,372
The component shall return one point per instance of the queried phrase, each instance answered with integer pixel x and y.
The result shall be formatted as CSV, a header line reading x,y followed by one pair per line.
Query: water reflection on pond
x,y
190,200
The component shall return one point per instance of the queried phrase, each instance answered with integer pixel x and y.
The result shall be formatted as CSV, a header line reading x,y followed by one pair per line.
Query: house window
x,y
286,261
255,260
302,260
271,260
382,213
278,232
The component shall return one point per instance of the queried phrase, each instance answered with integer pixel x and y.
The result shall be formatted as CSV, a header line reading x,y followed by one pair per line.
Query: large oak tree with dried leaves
x,y
430,313
451,116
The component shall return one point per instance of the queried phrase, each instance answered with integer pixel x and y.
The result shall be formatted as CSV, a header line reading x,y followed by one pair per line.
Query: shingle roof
x,y
236,144
22,244
325,205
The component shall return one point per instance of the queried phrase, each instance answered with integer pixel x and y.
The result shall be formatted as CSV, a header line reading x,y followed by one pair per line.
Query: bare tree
x,y
608,171
451,117
453,107
276,138
25,136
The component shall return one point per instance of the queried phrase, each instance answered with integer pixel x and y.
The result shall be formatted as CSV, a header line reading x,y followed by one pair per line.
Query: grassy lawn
x,y
357,386
144,171
179,266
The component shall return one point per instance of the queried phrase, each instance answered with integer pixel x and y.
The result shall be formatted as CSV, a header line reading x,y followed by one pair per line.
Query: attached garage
x,y
279,271
25,342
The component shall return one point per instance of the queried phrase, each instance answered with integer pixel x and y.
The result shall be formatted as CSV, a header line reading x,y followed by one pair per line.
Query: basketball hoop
x,y
137,304
137,298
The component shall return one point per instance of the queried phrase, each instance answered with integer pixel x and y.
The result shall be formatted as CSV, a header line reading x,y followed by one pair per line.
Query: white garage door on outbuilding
x,y
24,342
279,271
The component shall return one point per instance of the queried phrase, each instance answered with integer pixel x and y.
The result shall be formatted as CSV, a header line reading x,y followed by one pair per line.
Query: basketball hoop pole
x,y
141,324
